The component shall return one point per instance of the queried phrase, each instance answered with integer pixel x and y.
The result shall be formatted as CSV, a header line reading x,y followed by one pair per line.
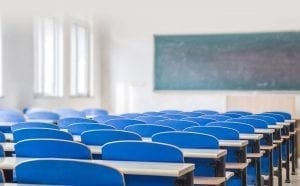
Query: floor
x,y
295,179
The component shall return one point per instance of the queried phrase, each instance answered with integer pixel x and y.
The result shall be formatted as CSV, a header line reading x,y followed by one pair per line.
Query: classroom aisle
x,y
295,179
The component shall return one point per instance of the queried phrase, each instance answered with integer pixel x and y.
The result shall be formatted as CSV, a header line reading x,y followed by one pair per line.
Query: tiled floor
x,y
295,179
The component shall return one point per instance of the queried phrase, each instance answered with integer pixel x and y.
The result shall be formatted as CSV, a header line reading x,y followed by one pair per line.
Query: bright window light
x,y
48,57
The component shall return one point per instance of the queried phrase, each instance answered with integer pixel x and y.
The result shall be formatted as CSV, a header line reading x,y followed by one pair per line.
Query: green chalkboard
x,y
244,61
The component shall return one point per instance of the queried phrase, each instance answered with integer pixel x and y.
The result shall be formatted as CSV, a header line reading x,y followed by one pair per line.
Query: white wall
x,y
125,31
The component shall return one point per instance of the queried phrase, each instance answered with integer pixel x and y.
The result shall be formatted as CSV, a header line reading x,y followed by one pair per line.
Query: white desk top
x,y
41,120
264,131
283,123
290,120
9,136
275,126
126,167
250,136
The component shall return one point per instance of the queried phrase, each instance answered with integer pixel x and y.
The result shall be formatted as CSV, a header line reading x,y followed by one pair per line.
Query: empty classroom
x,y
149,92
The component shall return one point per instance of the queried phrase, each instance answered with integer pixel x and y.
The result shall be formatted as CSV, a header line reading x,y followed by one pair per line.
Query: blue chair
x,y
152,113
2,137
192,114
173,116
69,113
217,117
268,119
147,152
200,120
93,112
78,128
222,133
63,123
104,118
67,172
241,127
147,130
177,124
171,111
278,117
150,119
256,123
207,112
52,148
11,117
232,115
122,123
100,137
286,115
42,115
28,125
34,133
27,110
131,115
243,113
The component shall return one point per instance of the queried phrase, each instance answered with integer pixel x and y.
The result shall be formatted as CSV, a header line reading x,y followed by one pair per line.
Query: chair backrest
x,y
153,113
278,117
122,123
69,113
35,133
192,114
2,153
232,115
184,139
100,137
256,123
174,116
206,112
78,128
8,116
28,125
104,118
286,115
243,113
150,119
141,151
2,137
67,172
241,127
222,133
52,148
92,112
268,119
131,115
200,120
171,111
43,115
217,117
63,123
177,124
148,130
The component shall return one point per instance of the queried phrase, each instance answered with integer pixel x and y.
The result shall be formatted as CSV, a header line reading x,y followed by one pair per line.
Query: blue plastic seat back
x,y
2,154
207,112
141,151
13,117
69,113
171,111
100,137
2,137
278,117
243,113
52,148
268,119
222,133
63,123
177,124
241,127
122,123
28,125
34,133
232,115
131,115
184,139
173,116
67,172
256,123
286,115
104,118
150,119
217,117
200,120
78,128
43,115
148,130
92,112
192,114
153,113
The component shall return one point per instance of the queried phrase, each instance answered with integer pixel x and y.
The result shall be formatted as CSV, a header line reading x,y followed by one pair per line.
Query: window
x,y
81,65
48,57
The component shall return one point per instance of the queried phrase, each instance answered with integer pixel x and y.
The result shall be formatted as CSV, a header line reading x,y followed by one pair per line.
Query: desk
x,y
250,136
177,170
